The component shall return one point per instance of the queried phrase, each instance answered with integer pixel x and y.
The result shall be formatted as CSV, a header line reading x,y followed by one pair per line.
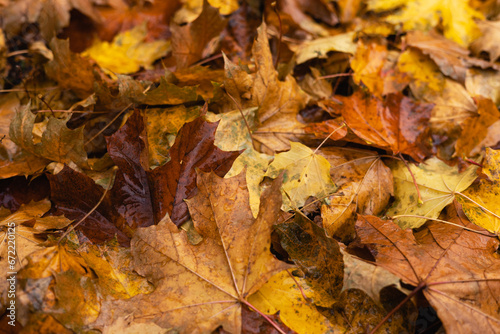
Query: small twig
x,y
474,163
330,76
115,168
308,300
40,97
206,60
413,177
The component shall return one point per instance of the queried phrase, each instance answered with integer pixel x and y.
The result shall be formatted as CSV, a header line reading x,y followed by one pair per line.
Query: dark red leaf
x,y
175,181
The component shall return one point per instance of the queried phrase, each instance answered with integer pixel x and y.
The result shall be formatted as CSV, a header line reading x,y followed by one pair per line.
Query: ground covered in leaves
x,y
249,166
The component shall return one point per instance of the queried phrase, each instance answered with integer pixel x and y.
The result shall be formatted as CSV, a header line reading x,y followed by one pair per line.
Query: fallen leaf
x,y
305,174
367,65
480,201
168,93
437,182
70,70
281,294
319,47
486,42
457,17
438,265
317,256
201,287
128,51
365,187
57,142
279,101
189,41
476,129
175,181
384,122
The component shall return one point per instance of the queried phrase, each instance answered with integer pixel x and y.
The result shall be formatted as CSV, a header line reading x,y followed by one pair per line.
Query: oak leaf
x,y
199,288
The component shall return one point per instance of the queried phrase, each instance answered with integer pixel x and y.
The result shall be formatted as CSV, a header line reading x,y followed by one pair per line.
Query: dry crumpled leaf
x,y
477,129
384,123
488,40
448,257
438,183
480,201
456,17
13,159
70,70
305,174
199,288
128,51
483,83
279,101
56,142
365,186
452,59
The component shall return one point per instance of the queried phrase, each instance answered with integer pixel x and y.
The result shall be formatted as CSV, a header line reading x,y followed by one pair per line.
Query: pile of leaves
x,y
250,166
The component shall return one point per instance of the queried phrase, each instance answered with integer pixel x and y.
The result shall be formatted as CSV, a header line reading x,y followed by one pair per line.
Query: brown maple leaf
x,y
457,270
200,287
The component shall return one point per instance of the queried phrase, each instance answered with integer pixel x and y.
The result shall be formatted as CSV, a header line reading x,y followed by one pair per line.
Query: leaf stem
x,y
269,320
445,222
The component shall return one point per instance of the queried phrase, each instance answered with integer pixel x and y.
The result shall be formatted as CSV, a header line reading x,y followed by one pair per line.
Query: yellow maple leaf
x,y
282,294
306,174
128,52
481,201
456,16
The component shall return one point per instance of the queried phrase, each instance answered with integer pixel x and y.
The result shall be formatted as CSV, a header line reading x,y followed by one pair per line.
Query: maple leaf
x,y
175,181
128,51
365,186
456,15
57,142
278,101
190,41
319,47
69,69
437,183
435,263
383,122
480,201
305,174
199,288
477,129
